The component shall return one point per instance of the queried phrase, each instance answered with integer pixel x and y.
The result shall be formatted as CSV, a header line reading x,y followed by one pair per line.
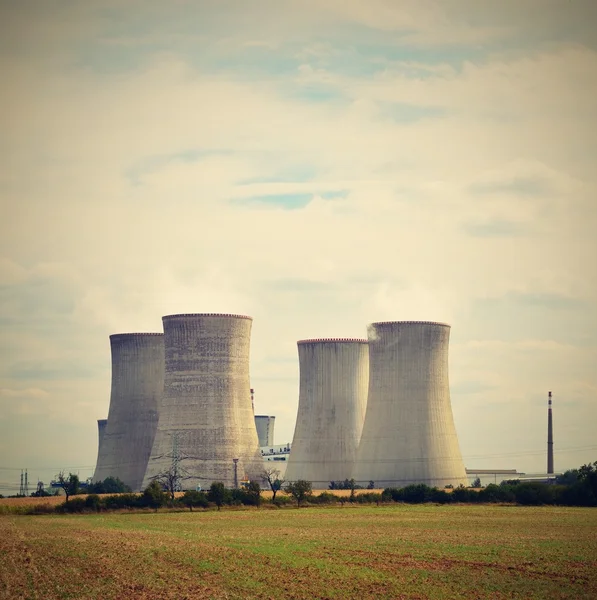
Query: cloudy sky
x,y
318,165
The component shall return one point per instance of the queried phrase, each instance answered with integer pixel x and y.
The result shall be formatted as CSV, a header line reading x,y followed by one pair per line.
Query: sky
x,y
318,165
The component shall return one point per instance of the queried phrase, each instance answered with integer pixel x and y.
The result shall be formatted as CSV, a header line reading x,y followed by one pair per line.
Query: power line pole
x,y
235,461
26,489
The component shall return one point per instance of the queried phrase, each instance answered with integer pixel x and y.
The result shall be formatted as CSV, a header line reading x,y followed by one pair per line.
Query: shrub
x,y
75,505
533,493
440,496
93,502
462,494
416,493
368,498
218,494
324,498
496,493
191,499
153,496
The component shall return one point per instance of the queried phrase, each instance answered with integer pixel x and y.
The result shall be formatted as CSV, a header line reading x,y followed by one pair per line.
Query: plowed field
x,y
485,552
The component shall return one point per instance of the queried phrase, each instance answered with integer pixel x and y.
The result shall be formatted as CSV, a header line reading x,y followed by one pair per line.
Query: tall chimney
x,y
549,437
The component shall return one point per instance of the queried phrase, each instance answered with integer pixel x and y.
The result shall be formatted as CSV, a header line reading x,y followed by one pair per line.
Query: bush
x,y
462,494
496,493
533,493
192,499
153,496
368,498
324,498
218,494
300,490
93,502
416,493
440,496
75,505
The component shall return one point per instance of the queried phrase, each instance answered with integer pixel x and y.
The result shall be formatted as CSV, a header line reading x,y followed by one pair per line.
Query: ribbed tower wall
x,y
409,434
206,416
265,429
137,384
334,377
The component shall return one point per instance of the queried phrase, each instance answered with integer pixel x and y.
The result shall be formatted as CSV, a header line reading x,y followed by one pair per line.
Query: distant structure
x,y
206,419
265,429
549,437
409,434
24,487
137,385
101,430
334,375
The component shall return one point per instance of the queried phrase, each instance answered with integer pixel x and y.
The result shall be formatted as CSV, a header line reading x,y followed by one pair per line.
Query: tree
x,y
69,483
153,496
217,494
171,479
110,485
300,490
272,477
476,483
193,498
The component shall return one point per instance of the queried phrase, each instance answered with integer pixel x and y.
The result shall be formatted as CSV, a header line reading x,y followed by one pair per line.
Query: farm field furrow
x,y
402,551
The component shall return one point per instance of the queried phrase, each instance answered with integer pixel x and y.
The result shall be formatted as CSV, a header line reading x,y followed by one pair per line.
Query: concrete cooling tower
x,y
206,418
334,375
101,429
265,429
409,434
137,384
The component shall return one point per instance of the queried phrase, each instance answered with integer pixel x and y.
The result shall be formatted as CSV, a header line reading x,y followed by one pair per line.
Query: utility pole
x,y
22,487
26,488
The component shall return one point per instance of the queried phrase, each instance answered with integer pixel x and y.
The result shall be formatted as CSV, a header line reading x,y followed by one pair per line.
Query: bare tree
x,y
69,483
272,477
171,479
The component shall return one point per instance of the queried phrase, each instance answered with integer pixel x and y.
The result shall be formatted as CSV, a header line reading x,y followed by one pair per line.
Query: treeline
x,y
577,487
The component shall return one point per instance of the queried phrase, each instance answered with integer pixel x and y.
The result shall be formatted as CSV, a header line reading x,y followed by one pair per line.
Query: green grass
x,y
401,551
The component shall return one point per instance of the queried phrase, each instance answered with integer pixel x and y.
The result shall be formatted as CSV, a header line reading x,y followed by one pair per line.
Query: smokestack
x,y
549,437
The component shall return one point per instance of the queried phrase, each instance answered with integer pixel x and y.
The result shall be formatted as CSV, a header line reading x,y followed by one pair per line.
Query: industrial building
x,y
137,385
206,423
265,429
409,435
334,376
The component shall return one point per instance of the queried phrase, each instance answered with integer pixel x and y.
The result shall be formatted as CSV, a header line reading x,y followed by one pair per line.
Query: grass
x,y
400,551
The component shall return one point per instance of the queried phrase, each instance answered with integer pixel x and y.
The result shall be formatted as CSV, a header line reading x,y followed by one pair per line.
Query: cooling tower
x,y
101,429
206,417
265,429
334,375
137,384
409,434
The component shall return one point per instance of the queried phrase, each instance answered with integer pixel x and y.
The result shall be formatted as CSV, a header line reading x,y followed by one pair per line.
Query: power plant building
x,y
137,385
265,430
333,387
409,434
205,415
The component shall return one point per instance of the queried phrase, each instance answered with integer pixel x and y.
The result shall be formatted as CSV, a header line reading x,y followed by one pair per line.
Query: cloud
x,y
439,162
24,393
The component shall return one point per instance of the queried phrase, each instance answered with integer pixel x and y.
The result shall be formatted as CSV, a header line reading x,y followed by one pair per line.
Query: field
x,y
401,551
